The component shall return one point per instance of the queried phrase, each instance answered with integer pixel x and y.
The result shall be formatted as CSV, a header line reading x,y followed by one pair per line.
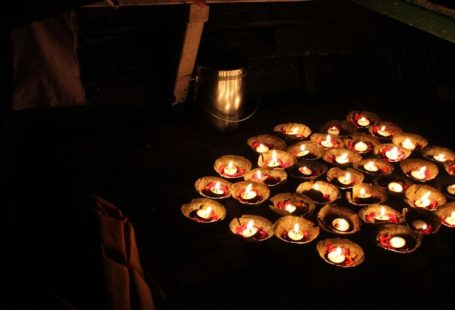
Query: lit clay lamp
x,y
230,169
316,194
266,178
276,159
363,121
370,166
361,147
395,187
424,201
261,148
303,151
215,189
328,142
383,131
420,225
251,231
364,197
340,252
393,154
397,242
381,217
441,157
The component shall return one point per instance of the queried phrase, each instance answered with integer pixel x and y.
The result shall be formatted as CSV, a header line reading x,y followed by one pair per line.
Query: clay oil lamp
x,y
366,194
327,141
306,150
446,185
232,166
338,128
295,229
264,143
204,210
374,166
293,131
424,197
361,143
338,220
276,159
292,203
409,141
250,192
320,192
380,214
344,178
341,157
449,167
397,238
362,119
393,184
213,187
446,213
422,221
391,152
384,130
340,252
307,170
251,227
438,154
419,170
268,176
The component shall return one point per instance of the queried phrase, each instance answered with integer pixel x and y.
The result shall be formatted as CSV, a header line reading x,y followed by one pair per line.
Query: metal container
x,y
221,95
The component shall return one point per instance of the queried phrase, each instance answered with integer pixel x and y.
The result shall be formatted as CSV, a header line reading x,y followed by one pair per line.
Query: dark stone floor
x,y
146,164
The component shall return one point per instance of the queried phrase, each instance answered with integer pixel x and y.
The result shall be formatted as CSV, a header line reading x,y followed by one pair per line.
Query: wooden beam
x,y
198,15
415,15
173,2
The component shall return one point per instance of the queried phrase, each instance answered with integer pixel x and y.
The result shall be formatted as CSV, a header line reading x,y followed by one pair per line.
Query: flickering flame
x,y
408,144
274,157
204,212
424,200
371,166
343,158
290,207
258,175
250,225
420,173
440,157
393,153
296,227
327,142
294,130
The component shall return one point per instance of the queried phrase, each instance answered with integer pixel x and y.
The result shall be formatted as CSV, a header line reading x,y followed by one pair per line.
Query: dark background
x,y
309,62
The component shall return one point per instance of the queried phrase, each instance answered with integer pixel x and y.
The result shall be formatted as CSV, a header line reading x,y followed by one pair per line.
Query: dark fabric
x,y
46,68
125,285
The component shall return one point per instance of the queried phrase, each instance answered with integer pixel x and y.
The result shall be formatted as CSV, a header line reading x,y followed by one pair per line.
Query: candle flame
x,y
295,130
347,176
258,175
328,139
371,166
338,251
302,148
362,192
316,187
383,128
274,157
296,228
393,153
250,224
217,187
408,144
440,157
381,212
248,188
230,165
420,173
208,210
424,200
343,158
290,207
363,121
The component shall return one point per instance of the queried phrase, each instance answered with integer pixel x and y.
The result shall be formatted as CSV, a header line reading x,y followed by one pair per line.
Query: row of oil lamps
x,y
341,145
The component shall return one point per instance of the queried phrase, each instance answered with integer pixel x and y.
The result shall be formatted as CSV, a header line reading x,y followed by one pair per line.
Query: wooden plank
x,y
199,14
440,25
173,2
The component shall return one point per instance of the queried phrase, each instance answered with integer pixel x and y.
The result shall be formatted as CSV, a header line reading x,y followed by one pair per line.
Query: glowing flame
x,y
248,188
424,200
250,225
343,158
274,157
408,144
361,146
258,175
420,173
440,157
338,251
371,166
363,121
294,130
296,227
316,187
393,153
290,207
